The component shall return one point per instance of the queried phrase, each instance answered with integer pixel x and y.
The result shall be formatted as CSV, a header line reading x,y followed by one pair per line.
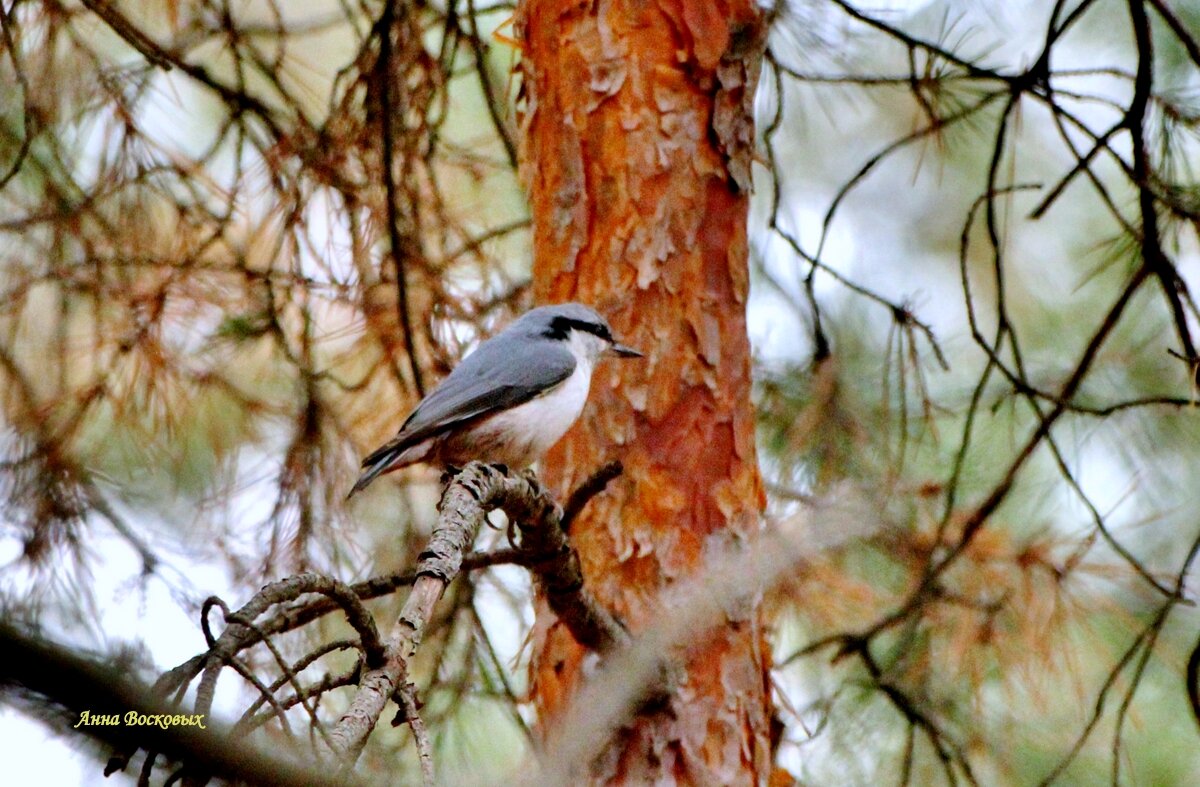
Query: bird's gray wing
x,y
497,376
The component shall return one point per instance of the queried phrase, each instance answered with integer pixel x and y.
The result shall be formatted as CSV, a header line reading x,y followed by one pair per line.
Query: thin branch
x,y
592,486
408,698
27,133
913,42
385,69
479,50
1152,252
130,34
1190,44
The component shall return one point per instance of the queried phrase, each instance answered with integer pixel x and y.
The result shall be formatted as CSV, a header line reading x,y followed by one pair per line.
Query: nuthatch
x,y
508,401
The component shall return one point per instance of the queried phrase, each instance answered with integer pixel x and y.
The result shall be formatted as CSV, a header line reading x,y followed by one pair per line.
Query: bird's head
x,y
585,331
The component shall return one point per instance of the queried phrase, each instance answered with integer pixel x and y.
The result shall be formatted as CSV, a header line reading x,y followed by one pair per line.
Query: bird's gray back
x,y
507,370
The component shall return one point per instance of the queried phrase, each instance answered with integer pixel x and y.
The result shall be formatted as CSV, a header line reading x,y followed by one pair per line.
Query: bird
x,y
510,400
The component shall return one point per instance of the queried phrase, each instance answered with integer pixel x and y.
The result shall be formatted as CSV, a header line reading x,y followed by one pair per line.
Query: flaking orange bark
x,y
636,148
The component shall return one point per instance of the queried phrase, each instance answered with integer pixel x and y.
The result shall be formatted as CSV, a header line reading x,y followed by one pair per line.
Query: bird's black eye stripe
x,y
561,327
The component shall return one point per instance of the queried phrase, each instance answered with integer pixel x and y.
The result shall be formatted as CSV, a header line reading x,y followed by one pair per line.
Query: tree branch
x,y
44,669
469,496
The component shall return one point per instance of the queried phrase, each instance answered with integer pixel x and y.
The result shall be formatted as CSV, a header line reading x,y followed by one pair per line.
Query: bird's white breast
x,y
521,435
531,428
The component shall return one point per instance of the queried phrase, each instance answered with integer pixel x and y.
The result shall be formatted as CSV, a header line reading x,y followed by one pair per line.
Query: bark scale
x,y
636,148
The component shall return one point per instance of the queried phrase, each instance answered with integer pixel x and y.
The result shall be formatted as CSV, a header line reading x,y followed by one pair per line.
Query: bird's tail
x,y
369,475
392,456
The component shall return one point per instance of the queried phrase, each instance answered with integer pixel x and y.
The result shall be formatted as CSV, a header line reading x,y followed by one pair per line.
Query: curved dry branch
x,y
469,496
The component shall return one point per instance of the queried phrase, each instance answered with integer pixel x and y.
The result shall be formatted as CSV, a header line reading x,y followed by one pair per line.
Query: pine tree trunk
x,y
637,147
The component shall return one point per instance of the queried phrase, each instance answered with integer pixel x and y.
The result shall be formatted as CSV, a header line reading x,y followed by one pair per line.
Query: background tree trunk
x,y
637,150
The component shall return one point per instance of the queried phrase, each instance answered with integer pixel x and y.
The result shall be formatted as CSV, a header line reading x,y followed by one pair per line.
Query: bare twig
x,y
10,43
583,493
399,248
408,698
131,34
224,649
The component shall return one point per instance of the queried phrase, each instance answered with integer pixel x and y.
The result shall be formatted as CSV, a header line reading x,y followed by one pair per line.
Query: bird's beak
x,y
624,351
